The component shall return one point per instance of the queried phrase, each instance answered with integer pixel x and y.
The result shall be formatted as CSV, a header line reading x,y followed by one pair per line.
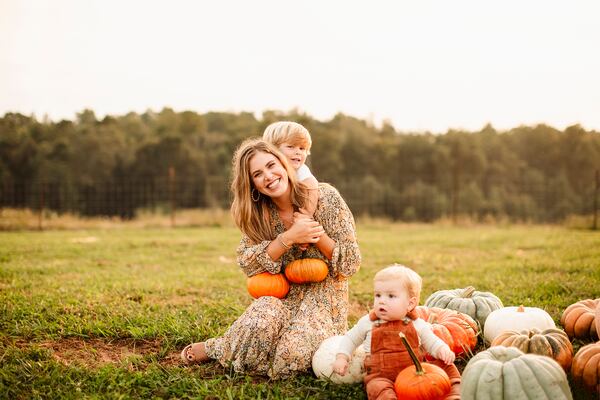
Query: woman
x,y
278,337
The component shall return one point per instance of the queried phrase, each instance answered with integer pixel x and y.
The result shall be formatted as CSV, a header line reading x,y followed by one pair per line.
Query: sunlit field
x,y
104,313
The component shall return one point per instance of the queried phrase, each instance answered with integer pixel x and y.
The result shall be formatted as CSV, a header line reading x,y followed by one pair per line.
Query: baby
x,y
397,292
294,142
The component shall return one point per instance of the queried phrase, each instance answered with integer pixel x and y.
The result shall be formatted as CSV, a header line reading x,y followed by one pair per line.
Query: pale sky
x,y
423,65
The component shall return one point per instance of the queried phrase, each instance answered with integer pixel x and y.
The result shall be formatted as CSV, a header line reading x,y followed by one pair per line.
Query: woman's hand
x,y
303,213
304,230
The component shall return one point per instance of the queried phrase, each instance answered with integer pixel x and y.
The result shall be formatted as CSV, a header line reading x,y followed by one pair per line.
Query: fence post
x,y
42,203
455,191
596,192
172,194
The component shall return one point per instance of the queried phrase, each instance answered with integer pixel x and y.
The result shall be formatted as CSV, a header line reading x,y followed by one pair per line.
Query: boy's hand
x,y
446,355
302,214
340,365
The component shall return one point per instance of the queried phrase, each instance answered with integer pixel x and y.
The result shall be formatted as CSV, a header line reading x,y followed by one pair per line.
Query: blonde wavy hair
x,y
409,279
288,132
253,217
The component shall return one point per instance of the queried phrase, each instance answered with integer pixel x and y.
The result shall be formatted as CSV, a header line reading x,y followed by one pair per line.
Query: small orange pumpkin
x,y
268,284
549,342
586,366
461,328
306,270
422,381
578,320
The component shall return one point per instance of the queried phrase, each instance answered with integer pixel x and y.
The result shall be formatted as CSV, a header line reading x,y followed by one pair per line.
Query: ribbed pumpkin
x,y
324,357
458,330
586,366
549,342
579,321
516,319
421,381
508,373
306,270
267,284
468,301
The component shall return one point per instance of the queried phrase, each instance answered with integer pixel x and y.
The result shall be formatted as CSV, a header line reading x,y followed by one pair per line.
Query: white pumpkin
x,y
325,356
516,319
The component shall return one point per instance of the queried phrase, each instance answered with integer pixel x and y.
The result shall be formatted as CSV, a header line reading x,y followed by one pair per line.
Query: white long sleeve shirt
x,y
303,173
361,334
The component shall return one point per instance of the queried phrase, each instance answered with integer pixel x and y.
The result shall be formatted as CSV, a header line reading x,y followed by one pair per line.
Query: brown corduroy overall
x,y
389,356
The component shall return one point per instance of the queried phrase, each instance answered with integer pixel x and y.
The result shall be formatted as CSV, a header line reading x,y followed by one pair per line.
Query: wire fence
x,y
405,201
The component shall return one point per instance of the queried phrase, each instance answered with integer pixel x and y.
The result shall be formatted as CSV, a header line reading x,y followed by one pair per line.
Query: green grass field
x,y
104,313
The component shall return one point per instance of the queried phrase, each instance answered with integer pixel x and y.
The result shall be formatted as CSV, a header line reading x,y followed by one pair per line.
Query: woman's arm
x,y
340,239
264,256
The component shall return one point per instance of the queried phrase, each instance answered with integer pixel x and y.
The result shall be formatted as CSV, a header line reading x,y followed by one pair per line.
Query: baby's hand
x,y
446,355
340,365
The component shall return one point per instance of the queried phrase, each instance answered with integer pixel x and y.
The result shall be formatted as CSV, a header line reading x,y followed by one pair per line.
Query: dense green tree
x,y
119,164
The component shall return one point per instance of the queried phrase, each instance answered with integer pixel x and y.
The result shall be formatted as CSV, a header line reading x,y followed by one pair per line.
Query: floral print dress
x,y
279,337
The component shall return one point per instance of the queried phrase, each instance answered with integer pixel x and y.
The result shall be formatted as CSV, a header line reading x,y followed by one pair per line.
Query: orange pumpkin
x,y
306,270
421,381
578,320
597,319
586,366
267,284
457,330
549,342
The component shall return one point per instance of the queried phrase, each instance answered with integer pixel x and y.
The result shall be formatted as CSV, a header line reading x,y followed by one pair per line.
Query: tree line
x,y
117,165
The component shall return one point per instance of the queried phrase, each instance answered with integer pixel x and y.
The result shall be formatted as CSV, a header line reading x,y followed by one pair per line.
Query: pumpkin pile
x,y
529,357
305,270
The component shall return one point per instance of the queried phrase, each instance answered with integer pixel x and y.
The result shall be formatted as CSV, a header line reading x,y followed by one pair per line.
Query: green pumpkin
x,y
477,305
506,373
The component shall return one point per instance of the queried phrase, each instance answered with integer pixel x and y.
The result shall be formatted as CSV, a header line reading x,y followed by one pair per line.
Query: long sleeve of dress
x,y
254,259
340,226
429,340
355,336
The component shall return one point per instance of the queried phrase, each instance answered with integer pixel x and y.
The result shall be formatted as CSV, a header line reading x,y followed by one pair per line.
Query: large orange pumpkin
x,y
586,366
457,330
267,284
421,381
306,270
549,342
579,321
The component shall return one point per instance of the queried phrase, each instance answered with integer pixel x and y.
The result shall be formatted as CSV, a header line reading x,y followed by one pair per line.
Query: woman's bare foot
x,y
194,353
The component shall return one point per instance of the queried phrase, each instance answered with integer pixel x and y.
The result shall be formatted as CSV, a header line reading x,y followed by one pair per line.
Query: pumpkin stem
x,y
412,354
468,291
521,308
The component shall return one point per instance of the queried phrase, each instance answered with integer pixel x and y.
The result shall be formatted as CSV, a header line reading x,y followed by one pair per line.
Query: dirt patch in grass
x,y
133,354
93,353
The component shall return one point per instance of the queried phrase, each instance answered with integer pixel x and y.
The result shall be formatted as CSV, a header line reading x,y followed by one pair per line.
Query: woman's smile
x,y
268,175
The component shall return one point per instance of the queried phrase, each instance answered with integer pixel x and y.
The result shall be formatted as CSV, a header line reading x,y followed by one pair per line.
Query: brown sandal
x,y
189,357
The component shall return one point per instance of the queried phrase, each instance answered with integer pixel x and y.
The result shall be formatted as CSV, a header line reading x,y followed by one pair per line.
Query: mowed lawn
x,y
105,313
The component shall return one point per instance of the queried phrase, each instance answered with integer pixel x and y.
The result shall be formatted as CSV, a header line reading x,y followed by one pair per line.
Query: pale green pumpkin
x,y
506,373
477,305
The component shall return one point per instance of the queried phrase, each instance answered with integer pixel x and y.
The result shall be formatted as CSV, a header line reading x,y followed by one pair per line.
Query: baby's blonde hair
x,y
408,278
288,132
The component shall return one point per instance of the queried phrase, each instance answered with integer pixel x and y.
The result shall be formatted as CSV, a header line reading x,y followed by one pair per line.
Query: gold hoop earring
x,y
252,195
